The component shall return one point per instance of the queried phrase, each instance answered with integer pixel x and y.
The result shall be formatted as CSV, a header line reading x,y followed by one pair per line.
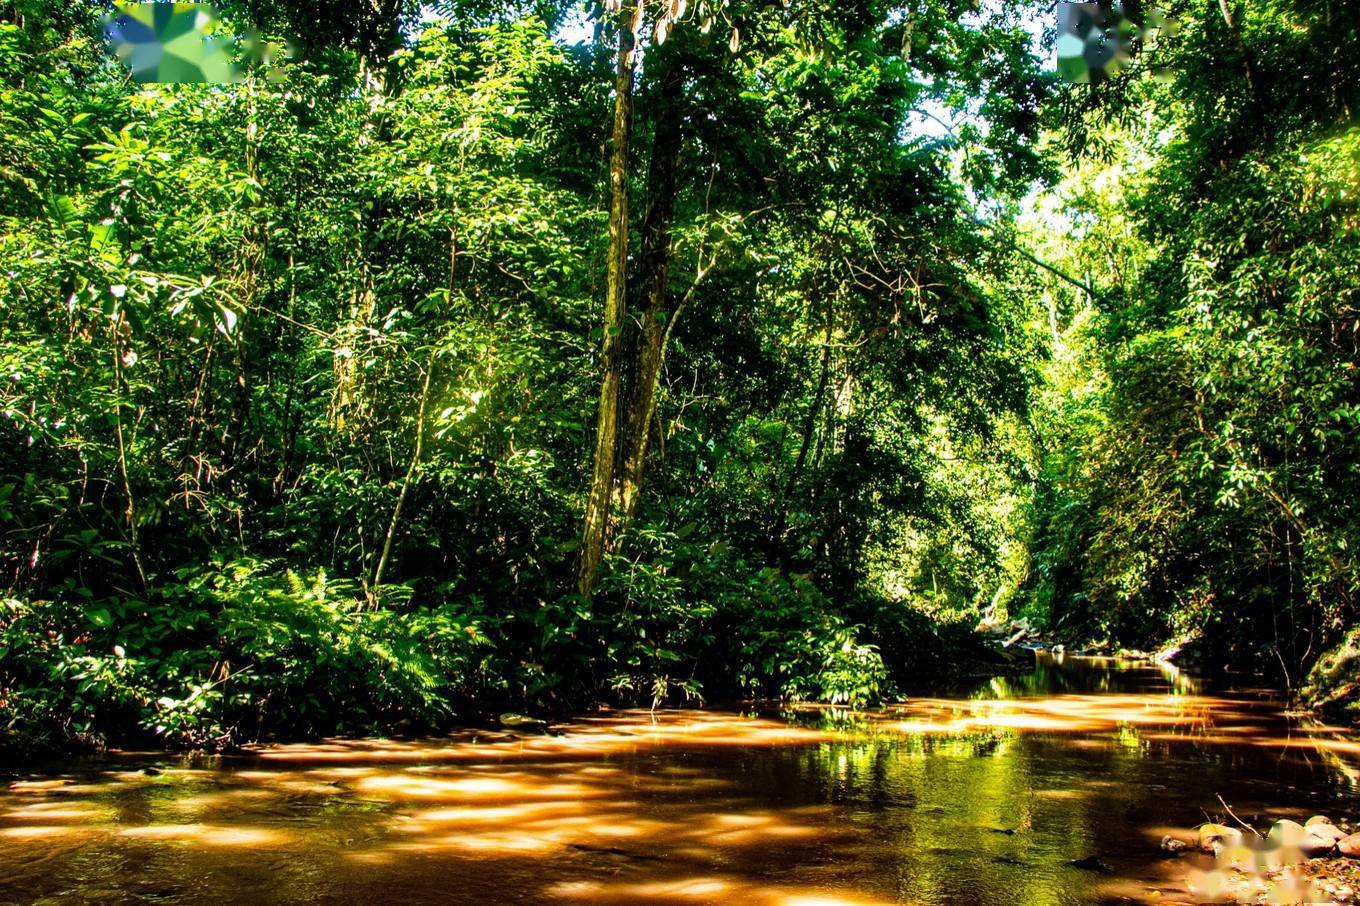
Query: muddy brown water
x,y
987,798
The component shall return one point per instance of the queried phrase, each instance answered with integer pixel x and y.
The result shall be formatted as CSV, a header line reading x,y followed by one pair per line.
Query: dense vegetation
x,y
351,398
1200,464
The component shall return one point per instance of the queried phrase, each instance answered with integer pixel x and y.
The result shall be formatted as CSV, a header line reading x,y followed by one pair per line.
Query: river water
x,y
989,797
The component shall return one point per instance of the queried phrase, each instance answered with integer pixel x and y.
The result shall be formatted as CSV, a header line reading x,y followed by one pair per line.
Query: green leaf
x,y
227,323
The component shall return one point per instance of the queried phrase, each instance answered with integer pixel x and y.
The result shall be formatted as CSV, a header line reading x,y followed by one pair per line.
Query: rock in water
x,y
523,724
1171,845
1318,819
1091,863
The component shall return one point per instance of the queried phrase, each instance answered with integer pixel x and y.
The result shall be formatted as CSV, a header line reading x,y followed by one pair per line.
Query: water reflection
x,y
1059,673
1003,795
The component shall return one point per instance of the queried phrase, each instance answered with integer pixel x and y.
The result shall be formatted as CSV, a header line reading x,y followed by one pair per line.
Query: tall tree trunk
x,y
596,526
655,314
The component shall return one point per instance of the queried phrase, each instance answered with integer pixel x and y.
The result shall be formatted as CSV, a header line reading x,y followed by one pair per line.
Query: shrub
x,y
230,653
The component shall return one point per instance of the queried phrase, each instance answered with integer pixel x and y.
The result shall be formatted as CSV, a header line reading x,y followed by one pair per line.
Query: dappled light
x,y
38,830
701,890
206,834
916,802
1064,713
617,732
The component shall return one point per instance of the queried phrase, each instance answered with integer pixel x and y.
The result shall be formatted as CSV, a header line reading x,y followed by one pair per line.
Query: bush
x,y
778,637
1333,685
225,654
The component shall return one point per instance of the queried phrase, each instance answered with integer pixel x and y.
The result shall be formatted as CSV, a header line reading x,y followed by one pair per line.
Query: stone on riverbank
x,y
1285,833
1316,845
1349,846
1209,834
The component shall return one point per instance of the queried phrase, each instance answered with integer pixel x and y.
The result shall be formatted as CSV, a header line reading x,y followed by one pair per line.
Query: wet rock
x,y
1325,831
1316,820
1092,863
1285,833
1315,845
523,724
1209,834
1170,844
1349,846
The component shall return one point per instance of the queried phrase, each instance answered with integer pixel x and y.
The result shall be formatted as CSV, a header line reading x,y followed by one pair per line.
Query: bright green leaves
x,y
62,211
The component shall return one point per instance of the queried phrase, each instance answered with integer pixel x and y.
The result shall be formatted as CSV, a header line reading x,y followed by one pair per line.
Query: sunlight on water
x,y
989,798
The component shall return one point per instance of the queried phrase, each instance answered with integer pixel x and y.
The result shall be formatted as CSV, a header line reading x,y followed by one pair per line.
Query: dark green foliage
x,y
232,652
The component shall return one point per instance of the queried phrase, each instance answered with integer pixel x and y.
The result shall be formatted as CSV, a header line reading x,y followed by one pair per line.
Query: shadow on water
x,y
986,798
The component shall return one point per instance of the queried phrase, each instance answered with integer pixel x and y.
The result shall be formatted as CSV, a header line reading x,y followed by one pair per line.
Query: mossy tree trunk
x,y
596,528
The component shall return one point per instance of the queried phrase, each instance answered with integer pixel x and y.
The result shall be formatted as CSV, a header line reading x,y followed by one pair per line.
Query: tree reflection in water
x,y
986,798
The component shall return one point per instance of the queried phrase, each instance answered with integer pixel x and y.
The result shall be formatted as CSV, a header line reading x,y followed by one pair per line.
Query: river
x,y
1050,788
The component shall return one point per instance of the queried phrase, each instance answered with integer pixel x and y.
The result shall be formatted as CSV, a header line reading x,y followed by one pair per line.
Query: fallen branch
x,y
1235,818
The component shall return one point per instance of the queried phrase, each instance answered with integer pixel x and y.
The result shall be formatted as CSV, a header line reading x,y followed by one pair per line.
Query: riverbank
x,y
1317,861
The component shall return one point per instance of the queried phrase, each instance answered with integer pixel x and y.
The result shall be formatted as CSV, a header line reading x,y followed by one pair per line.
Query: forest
x,y
461,358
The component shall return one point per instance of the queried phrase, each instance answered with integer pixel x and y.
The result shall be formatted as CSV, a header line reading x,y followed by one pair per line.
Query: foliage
x,y
336,321
232,651
1200,471
299,372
